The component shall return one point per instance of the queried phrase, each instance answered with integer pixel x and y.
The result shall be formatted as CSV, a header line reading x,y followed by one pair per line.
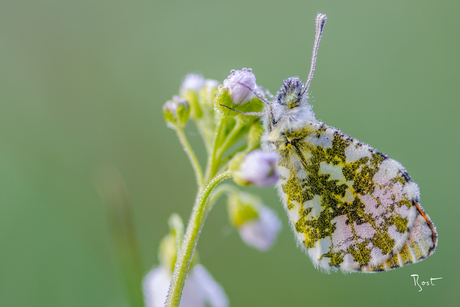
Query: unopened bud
x,y
207,92
191,86
192,82
241,85
176,112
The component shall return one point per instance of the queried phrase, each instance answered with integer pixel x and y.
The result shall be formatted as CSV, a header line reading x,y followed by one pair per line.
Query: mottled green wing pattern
x,y
350,206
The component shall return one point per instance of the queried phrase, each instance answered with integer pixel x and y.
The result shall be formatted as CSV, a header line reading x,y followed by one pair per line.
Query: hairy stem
x,y
237,132
192,157
213,166
184,258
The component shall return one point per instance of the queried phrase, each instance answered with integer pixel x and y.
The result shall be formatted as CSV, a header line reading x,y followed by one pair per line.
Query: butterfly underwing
x,y
351,207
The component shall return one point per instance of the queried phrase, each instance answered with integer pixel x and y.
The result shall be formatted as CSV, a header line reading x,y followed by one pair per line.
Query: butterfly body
x,y
350,206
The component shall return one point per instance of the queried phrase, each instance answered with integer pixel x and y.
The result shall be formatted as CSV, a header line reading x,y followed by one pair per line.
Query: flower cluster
x,y
228,117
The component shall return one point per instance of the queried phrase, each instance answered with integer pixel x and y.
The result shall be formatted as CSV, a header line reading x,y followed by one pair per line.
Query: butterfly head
x,y
290,108
290,94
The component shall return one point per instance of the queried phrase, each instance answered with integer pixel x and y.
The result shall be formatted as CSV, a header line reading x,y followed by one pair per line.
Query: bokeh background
x,y
82,84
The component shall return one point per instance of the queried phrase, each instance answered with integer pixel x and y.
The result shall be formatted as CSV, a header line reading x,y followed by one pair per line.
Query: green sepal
x,y
223,101
183,113
168,252
195,108
169,118
255,134
170,244
206,97
242,207
234,166
179,116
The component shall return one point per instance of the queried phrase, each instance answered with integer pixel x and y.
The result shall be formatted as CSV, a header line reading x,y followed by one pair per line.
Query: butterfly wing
x,y
350,206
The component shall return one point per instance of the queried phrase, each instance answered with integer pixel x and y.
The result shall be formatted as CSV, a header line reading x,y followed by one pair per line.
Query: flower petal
x,y
212,291
261,233
259,168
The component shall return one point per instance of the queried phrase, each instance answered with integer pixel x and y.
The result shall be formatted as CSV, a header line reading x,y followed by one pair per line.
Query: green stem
x,y
213,167
184,258
192,157
206,134
225,161
237,132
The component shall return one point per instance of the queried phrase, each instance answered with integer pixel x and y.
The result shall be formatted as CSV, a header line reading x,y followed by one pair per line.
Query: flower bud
x,y
191,86
257,225
167,253
193,82
241,85
207,92
176,112
239,95
257,168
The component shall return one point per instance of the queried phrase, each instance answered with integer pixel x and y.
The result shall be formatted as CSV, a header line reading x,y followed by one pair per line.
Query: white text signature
x,y
423,283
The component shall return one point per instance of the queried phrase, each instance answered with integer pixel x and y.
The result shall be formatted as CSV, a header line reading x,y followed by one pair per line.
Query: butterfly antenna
x,y
256,94
243,113
320,22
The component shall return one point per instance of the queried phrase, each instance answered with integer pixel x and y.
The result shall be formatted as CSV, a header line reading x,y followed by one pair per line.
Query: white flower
x,y
241,85
192,82
200,288
259,168
261,233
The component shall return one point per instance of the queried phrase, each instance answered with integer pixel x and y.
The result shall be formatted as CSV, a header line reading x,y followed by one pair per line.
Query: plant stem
x,y
206,134
184,258
213,167
192,157
231,138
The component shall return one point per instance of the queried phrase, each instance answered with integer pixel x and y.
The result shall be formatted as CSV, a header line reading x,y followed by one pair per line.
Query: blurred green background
x,y
82,84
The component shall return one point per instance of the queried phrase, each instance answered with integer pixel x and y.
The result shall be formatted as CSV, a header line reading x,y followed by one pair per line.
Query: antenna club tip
x,y
321,17
320,21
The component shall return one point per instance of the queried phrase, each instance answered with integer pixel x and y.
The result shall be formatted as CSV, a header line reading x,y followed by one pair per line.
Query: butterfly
x,y
351,207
